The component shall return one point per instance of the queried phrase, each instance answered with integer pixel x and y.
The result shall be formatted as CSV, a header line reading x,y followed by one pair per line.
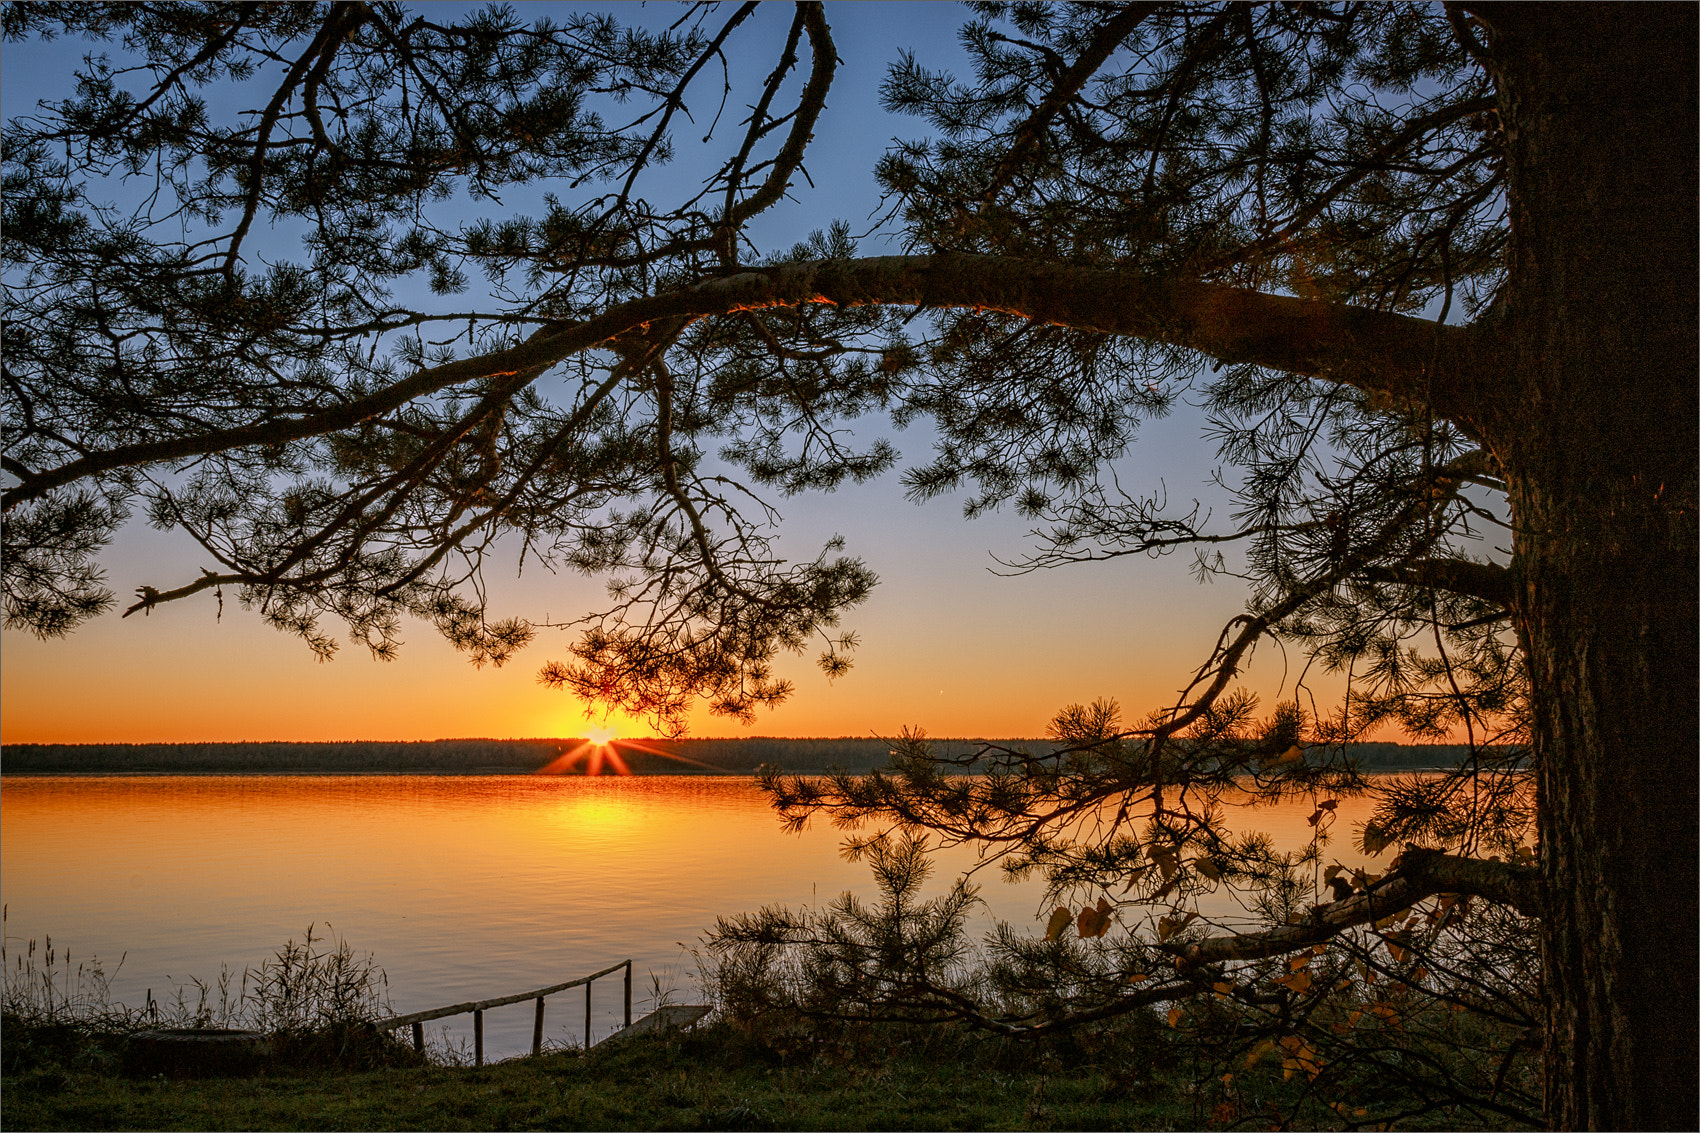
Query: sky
x,y
948,644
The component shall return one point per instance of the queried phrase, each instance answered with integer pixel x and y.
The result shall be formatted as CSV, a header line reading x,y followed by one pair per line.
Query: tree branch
x,y
1460,576
1103,45
1419,873
1416,360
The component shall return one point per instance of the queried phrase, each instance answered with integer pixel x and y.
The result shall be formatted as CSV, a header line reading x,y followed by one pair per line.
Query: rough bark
x,y
1599,328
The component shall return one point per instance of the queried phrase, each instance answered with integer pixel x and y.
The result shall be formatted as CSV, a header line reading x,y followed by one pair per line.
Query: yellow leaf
x,y
1223,986
1061,918
1209,869
1293,754
1259,1051
1175,1014
1138,977
1319,948
1294,963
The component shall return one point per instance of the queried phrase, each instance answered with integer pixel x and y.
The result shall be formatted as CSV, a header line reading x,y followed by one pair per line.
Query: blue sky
x,y
947,644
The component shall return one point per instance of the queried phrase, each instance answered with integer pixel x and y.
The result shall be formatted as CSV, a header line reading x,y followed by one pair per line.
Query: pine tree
x,y
1431,270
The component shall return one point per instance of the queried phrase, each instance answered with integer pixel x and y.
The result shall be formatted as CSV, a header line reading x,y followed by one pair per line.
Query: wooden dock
x,y
663,1019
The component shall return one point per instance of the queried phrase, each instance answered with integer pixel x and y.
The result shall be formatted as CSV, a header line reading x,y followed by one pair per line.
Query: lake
x,y
462,887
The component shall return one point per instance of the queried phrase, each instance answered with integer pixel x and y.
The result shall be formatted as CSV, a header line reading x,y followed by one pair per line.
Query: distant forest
x,y
522,757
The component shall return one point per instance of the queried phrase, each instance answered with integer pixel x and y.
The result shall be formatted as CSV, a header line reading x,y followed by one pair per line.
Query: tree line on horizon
x,y
736,755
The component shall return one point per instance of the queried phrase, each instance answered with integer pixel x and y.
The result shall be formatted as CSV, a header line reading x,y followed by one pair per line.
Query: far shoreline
x,y
708,758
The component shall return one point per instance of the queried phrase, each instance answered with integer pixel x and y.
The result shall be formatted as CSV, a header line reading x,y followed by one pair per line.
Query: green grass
x,y
710,1079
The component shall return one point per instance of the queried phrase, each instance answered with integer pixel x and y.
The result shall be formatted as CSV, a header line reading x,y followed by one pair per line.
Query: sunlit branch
x,y
1419,873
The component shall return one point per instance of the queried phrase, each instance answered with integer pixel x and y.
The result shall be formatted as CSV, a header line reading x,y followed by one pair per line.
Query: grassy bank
x,y
712,1078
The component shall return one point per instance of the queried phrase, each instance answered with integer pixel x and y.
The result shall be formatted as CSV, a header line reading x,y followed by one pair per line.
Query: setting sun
x,y
601,736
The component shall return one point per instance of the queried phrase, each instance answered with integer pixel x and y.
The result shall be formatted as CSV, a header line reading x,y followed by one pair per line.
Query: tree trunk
x,y
1597,433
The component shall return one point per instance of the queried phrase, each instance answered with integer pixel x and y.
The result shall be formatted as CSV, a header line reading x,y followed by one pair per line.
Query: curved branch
x,y
1410,359
1419,874
809,106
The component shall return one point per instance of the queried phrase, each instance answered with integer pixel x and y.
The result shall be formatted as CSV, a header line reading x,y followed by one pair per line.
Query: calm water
x,y
462,887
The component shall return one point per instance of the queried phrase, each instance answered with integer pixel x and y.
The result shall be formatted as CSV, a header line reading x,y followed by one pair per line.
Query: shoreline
x,y
711,758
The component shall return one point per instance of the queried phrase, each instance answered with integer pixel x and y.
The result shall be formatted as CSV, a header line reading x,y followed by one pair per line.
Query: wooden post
x,y
478,1038
587,1014
628,993
537,1030
419,1037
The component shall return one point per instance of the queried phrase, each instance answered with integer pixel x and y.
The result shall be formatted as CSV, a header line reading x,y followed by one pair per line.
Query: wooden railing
x,y
418,1019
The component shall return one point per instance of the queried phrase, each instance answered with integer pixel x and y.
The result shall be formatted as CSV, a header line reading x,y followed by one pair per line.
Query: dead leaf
x,y
1088,923
1095,921
1061,918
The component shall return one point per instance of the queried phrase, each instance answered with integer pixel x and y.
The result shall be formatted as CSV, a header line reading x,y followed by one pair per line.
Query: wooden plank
x,y
678,1015
486,1004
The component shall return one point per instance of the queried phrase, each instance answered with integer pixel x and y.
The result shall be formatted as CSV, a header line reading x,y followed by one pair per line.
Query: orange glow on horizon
x,y
595,754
